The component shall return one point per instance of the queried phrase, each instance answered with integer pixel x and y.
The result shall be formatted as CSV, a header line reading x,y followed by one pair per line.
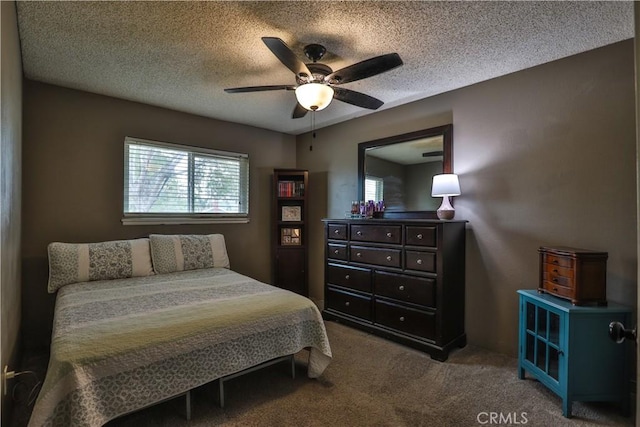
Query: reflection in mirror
x,y
399,170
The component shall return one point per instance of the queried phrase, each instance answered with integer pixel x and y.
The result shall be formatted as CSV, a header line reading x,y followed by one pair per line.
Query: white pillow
x,y
83,262
181,252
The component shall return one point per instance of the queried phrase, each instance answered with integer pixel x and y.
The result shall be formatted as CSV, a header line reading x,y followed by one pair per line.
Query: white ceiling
x,y
181,55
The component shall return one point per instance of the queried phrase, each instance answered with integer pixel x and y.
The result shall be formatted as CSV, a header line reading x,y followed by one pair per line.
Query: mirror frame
x,y
447,163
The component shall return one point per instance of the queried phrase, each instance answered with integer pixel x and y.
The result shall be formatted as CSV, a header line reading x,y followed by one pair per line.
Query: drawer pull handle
x,y
358,254
554,270
401,288
359,233
346,277
555,280
555,289
419,236
419,262
389,258
347,303
555,261
402,318
389,235
336,252
336,231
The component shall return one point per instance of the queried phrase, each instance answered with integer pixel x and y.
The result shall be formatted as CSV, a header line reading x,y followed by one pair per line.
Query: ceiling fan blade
x,y
258,88
367,68
299,111
356,98
286,56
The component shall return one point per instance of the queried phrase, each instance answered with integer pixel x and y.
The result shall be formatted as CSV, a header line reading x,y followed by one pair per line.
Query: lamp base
x,y
446,211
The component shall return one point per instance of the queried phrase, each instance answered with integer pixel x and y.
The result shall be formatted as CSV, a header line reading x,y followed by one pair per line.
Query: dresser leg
x,y
521,373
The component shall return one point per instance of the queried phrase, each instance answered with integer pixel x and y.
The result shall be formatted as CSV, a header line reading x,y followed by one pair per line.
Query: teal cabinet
x,y
568,349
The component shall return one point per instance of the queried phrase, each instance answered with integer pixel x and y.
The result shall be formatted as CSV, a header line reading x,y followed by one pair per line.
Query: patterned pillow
x,y
181,252
83,262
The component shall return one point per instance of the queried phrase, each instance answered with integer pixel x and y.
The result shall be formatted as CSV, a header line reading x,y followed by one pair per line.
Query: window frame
x,y
163,218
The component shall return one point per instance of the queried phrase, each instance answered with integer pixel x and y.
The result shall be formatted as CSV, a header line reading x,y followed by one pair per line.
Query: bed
x,y
122,344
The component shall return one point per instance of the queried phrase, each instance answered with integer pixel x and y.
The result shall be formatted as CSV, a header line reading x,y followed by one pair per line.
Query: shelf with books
x,y
289,230
291,188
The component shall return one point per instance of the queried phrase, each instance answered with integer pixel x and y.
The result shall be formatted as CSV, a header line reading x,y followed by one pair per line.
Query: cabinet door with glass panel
x,y
541,346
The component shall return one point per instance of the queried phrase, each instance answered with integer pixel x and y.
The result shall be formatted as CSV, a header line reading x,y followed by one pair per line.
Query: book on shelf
x,y
290,188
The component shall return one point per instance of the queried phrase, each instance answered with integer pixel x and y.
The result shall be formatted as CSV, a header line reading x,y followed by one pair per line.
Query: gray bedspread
x,y
121,345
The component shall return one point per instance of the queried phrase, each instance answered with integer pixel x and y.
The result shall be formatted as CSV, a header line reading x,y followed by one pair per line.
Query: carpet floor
x,y
374,382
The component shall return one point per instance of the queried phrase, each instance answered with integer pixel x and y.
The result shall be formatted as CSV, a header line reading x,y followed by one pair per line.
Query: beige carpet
x,y
374,382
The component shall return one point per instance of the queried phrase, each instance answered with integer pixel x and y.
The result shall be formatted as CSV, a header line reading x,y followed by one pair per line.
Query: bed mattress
x,y
121,345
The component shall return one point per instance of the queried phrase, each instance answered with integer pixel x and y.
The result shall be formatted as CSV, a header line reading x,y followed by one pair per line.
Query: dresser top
x,y
393,220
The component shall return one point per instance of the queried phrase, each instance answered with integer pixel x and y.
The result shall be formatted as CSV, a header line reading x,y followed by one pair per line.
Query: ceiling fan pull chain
x,y
313,129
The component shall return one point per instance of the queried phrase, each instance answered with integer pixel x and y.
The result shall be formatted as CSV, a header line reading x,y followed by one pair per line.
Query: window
x,y
168,184
373,188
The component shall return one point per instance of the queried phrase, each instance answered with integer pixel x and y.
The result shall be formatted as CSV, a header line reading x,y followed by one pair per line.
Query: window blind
x,y
373,188
170,179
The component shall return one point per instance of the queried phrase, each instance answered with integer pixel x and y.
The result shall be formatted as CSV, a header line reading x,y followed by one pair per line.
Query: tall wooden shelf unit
x,y
289,230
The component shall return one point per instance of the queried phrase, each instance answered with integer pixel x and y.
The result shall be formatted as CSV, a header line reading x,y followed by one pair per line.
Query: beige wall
x,y
73,181
10,182
546,156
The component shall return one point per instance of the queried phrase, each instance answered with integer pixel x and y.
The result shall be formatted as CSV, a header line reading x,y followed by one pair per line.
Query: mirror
x,y
399,169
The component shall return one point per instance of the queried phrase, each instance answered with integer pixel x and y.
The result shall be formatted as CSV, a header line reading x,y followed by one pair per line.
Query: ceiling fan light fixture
x,y
314,96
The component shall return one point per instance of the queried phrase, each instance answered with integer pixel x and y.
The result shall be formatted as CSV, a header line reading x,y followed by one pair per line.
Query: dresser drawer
x,y
407,320
558,260
379,256
337,231
345,302
421,236
421,261
416,290
377,233
350,277
337,251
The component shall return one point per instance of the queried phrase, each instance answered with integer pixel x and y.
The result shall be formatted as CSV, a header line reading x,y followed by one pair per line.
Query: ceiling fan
x,y
317,84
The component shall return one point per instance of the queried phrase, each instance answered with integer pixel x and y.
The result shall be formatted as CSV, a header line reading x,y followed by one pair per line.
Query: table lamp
x,y
445,185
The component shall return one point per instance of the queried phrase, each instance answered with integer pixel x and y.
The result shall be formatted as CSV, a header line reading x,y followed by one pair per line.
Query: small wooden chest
x,y
575,274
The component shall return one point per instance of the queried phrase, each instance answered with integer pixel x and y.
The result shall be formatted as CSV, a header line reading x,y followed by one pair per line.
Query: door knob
x,y
618,333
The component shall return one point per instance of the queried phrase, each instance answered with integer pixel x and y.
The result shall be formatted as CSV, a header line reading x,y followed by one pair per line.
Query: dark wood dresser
x,y
401,279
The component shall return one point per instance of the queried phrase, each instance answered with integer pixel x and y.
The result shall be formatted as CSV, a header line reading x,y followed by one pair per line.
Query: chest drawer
x,y
377,233
351,304
558,280
557,260
421,236
421,261
337,251
407,320
378,256
554,270
559,290
337,231
349,277
416,290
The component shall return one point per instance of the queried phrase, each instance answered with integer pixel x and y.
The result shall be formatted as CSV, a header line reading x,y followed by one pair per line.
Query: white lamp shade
x,y
445,184
314,96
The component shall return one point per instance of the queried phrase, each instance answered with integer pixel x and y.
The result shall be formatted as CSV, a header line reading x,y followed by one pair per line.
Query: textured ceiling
x,y
181,55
